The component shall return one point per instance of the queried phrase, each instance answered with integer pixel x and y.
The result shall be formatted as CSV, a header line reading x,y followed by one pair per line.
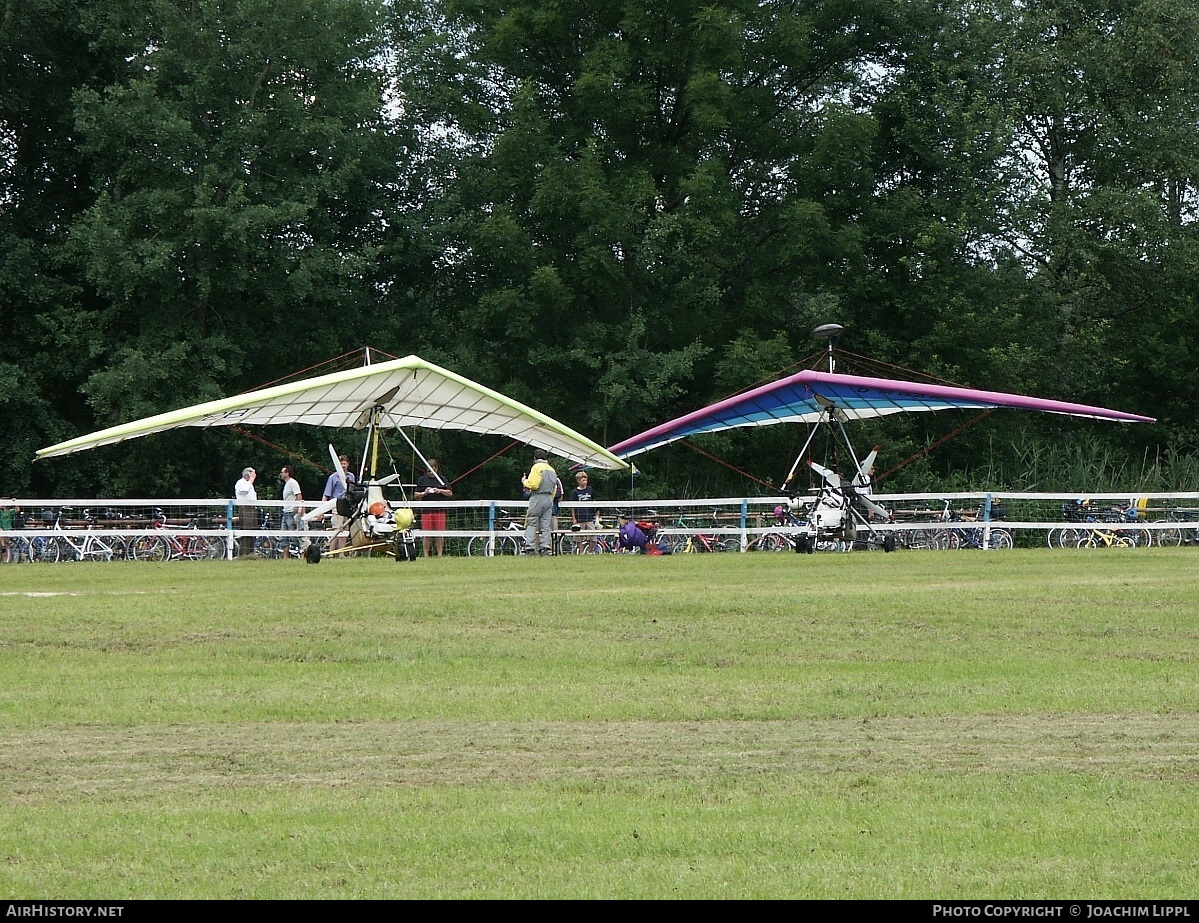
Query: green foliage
x,y
228,229
639,202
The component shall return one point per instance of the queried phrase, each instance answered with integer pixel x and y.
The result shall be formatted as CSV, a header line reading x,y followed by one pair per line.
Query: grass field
x,y
1018,725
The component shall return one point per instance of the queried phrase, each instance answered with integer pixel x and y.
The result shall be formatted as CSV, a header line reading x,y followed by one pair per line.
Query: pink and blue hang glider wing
x,y
810,397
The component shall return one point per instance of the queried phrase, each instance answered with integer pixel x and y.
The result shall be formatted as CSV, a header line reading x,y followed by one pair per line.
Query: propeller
x,y
862,481
319,510
881,512
329,505
830,476
834,481
337,467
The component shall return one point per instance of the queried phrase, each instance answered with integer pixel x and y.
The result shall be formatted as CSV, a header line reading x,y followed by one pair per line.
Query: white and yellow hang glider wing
x,y
402,392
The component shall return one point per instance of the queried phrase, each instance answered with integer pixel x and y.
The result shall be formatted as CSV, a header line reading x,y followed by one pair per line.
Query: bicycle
x,y
921,539
37,550
914,536
586,543
509,541
699,542
175,546
1099,537
774,541
1179,534
269,546
89,546
771,541
1067,536
1000,539
1091,534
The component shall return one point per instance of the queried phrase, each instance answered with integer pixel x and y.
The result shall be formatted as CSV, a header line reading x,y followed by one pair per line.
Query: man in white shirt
x,y
293,506
246,496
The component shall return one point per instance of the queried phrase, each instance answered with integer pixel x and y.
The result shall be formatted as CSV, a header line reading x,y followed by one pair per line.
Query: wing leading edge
x,y
807,396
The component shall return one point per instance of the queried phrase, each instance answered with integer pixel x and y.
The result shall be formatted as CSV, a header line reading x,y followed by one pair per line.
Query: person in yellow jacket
x,y
543,486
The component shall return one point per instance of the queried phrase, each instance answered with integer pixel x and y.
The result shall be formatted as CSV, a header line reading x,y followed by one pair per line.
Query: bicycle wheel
x,y
44,550
727,543
1140,538
773,541
1069,537
1168,538
1001,539
485,546
99,550
591,544
19,551
917,540
149,548
947,539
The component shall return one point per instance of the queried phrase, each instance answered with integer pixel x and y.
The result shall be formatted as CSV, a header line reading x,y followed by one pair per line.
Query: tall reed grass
x,y
1041,464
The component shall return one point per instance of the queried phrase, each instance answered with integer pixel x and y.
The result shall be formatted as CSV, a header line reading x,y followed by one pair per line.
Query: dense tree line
x,y
614,211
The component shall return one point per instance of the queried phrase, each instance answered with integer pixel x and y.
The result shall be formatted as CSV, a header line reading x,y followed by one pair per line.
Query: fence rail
x,y
101,529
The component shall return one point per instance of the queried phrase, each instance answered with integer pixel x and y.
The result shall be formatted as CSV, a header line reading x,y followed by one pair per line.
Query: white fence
x,y
52,529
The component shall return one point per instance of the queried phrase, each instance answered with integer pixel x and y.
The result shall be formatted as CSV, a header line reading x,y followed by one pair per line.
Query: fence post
x,y
744,518
229,529
489,550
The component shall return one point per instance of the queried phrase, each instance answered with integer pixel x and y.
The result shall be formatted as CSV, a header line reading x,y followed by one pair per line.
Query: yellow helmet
x,y
403,518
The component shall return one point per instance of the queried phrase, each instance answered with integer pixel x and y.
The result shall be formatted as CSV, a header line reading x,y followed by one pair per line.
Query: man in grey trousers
x,y
542,484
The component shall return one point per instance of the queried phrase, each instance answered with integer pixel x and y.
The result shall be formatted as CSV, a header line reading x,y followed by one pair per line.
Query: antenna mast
x,y
829,333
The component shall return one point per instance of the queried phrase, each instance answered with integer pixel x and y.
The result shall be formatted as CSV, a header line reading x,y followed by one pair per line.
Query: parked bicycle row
x,y
45,549
1087,526
83,536
47,531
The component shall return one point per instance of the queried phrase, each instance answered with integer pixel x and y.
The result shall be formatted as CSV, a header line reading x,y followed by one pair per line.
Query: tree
x,y
636,185
243,175
45,57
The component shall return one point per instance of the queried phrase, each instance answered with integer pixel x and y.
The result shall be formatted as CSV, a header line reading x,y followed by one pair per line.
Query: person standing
x,y
559,495
583,518
543,485
293,506
8,509
246,497
335,490
432,486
